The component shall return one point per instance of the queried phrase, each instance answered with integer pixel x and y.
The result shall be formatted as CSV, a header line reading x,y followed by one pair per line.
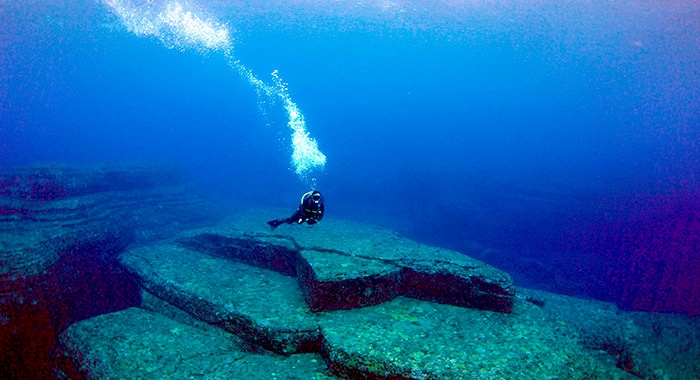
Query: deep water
x,y
563,136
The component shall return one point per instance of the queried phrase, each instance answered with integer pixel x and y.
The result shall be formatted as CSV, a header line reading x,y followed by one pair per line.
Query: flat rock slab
x,y
345,265
544,336
403,338
139,344
648,345
262,305
411,339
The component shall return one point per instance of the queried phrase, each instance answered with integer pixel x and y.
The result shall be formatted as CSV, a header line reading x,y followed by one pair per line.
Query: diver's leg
x,y
292,219
275,223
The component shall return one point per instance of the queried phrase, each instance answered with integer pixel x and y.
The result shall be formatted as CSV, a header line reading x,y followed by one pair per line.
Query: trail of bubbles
x,y
306,155
172,25
177,28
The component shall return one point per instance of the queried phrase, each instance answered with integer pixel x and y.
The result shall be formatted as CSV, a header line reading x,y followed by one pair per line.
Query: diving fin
x,y
275,223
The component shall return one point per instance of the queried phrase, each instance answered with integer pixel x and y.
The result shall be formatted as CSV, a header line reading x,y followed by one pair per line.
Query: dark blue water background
x,y
563,135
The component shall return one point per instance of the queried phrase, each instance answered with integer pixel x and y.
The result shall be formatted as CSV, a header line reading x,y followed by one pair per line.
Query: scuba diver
x,y
310,211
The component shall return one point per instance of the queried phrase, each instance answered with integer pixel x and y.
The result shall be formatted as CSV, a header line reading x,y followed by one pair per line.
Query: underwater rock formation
x,y
158,295
244,279
61,229
46,182
139,344
346,265
264,306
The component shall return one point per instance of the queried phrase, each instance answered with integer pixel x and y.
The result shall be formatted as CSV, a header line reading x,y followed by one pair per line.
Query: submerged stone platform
x,y
50,212
346,265
61,229
139,344
123,250
258,286
264,306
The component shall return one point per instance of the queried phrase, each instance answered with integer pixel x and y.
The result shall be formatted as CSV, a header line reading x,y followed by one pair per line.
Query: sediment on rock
x,y
411,339
389,339
61,229
139,344
367,282
263,306
357,265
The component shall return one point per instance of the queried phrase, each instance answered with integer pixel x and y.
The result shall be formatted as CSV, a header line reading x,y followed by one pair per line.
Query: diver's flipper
x,y
275,223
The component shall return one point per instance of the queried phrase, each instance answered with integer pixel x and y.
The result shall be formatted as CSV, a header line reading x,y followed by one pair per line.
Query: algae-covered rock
x,y
93,211
367,306
139,344
344,265
411,339
264,306
648,345
335,281
61,228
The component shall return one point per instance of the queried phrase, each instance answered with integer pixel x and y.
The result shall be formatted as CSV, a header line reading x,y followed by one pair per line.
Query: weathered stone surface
x,y
264,306
138,344
648,345
44,182
403,338
34,239
411,339
660,346
545,336
344,265
61,229
335,281
370,289
37,230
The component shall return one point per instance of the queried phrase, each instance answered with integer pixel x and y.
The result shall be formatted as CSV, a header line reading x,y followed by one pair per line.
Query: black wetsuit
x,y
310,211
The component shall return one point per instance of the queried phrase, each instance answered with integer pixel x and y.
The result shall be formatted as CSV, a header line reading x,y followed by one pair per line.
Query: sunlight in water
x,y
177,28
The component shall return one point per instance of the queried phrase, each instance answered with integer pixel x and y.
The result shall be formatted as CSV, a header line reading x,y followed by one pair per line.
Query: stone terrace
x,y
342,300
236,300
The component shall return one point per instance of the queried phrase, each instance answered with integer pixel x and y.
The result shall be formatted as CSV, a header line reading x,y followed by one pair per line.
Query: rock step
x,y
397,338
51,181
50,247
138,344
264,306
411,339
346,265
402,338
61,229
40,234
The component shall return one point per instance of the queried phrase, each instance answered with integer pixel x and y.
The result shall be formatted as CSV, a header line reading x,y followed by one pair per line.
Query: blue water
x,y
563,136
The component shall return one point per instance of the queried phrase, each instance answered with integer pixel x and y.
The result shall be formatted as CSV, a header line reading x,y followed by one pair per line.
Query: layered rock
x,y
139,344
241,277
46,182
61,229
345,265
334,300
263,305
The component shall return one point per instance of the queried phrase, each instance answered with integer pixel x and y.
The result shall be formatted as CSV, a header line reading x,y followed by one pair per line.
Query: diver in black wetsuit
x,y
310,211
